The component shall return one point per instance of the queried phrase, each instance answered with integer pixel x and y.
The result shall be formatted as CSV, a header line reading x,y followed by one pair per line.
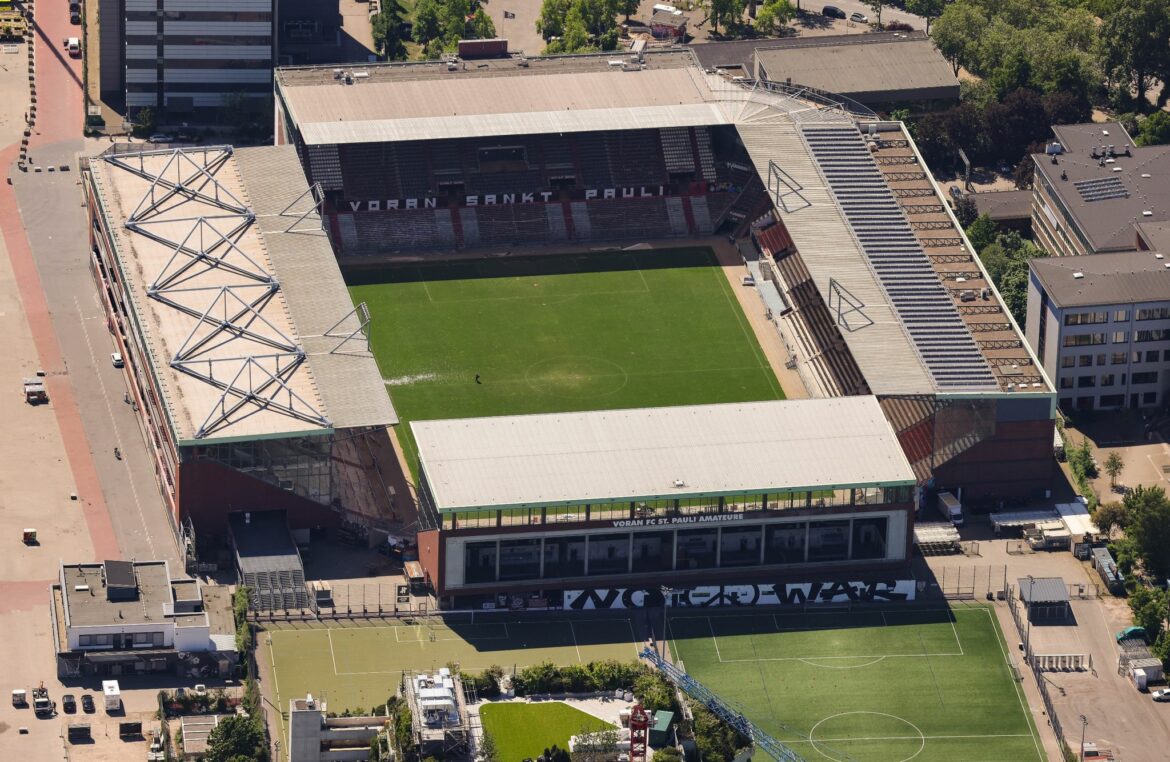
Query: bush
x,y
655,693
605,675
487,683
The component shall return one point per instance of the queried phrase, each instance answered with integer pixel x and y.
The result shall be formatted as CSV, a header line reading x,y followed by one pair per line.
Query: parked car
x,y
1161,695
833,12
860,18
160,137
69,703
73,45
75,18
116,359
87,705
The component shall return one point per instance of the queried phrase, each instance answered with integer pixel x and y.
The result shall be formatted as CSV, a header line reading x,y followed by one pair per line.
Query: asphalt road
x,y
857,6
56,223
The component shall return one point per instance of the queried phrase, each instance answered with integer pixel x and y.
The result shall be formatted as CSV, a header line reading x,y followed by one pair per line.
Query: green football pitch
x,y
562,333
357,665
871,686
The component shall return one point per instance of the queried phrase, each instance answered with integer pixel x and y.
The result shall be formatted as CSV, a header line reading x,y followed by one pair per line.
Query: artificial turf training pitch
x,y
871,686
560,333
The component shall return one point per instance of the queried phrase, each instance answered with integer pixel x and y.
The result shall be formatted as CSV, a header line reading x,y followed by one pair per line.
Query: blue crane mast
x,y
720,709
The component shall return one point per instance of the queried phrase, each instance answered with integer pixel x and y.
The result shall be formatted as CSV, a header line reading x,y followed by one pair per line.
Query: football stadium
x,y
918,378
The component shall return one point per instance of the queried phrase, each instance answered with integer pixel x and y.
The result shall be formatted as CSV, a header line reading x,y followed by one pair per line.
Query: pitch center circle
x,y
895,731
579,376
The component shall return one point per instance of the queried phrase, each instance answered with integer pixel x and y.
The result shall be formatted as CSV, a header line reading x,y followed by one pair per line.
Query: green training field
x,y
358,666
523,731
869,686
560,333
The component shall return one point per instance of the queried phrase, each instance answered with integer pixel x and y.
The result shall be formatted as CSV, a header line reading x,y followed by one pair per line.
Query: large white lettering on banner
x,y
781,594
498,199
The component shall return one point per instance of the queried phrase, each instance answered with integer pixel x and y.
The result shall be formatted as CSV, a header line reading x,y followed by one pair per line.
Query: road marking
x,y
114,427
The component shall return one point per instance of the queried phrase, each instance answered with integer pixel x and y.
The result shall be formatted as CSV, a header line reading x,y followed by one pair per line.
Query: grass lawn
x,y
559,334
357,666
523,731
873,686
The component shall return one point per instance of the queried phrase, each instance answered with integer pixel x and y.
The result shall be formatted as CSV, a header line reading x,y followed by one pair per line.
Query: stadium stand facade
x,y
244,356
883,294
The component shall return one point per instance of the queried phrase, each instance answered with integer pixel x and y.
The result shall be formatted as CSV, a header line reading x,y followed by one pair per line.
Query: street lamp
x,y
666,593
1084,724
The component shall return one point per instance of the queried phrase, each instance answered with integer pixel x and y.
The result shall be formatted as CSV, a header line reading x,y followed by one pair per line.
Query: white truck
x,y
950,508
113,695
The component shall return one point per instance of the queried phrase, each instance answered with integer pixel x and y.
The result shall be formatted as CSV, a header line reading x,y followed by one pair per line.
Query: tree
x,y
1110,515
1148,605
1154,130
773,15
875,6
1135,45
726,12
551,20
957,33
927,9
237,737
1065,108
627,7
668,754
426,21
1114,465
386,28
487,748
1149,527
982,232
965,210
655,693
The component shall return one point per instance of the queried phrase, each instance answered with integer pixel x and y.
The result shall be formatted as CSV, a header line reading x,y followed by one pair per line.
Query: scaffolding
x,y
440,722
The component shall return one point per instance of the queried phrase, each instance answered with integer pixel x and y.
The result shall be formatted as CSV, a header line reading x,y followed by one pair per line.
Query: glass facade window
x,y
1120,316
1159,335
1084,340
1146,378
1154,313
1068,361
1086,318
609,553
1085,361
1120,337
1112,400
653,551
479,562
564,557
519,559
696,548
869,537
784,544
1118,358
739,546
828,540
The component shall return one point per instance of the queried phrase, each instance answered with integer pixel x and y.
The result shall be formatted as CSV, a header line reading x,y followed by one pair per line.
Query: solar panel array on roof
x,y
1101,189
924,306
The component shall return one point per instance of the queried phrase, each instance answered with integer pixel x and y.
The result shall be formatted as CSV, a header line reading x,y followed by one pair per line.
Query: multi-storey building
x,y
190,60
1094,190
1101,327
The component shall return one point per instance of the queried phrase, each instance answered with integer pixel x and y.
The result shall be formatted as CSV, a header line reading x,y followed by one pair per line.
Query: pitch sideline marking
x,y
715,640
573,632
332,654
749,333
1019,695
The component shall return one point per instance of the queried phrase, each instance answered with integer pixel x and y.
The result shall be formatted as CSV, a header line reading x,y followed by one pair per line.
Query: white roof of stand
x,y
650,453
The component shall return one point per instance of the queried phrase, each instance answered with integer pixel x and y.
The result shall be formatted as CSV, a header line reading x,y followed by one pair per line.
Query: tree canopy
x,y
1134,46
1154,130
1148,512
439,25
386,28
580,26
237,737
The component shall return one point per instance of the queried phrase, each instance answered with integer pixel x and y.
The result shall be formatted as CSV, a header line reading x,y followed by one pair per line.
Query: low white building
x,y
315,737
132,617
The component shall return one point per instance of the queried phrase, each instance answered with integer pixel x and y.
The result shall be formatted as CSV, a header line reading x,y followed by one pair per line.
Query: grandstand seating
x,y
401,230
630,218
512,223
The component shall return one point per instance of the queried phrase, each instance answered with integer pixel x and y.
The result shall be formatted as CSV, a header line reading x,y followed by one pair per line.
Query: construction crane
x,y
720,709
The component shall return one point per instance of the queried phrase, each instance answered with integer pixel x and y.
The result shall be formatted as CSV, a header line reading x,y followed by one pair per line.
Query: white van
x,y
73,45
666,8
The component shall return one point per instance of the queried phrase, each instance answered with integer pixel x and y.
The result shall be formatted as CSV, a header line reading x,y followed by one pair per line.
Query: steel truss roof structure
x,y
226,290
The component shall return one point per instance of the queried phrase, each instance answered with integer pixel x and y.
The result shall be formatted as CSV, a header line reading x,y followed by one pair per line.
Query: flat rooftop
x,y
867,68
1107,194
1123,278
513,96
652,453
236,293
90,607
